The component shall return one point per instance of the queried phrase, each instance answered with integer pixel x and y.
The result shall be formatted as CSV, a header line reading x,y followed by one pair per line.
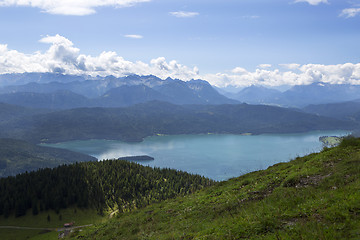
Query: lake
x,y
219,157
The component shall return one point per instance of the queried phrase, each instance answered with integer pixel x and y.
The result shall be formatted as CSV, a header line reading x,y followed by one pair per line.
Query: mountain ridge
x,y
108,92
94,87
299,95
136,122
17,156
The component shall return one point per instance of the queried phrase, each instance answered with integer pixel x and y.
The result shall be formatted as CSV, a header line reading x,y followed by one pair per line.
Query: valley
x,y
54,132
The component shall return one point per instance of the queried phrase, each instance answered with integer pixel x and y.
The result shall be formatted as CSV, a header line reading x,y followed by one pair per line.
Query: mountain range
x,y
58,91
44,107
133,123
299,96
343,110
105,92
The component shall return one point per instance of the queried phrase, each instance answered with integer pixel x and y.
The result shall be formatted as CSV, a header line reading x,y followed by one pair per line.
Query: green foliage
x,y
350,142
330,141
313,197
18,156
111,184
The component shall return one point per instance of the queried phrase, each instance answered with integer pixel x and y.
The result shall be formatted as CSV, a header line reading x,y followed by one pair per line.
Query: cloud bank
x,y
296,74
63,57
70,7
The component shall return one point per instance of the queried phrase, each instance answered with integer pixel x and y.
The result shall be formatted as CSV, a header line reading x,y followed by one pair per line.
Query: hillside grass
x,y
312,197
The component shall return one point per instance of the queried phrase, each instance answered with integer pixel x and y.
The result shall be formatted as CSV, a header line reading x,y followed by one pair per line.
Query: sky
x,y
228,43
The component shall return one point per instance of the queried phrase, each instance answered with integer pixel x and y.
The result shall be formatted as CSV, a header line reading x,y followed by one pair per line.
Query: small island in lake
x,y
137,158
330,141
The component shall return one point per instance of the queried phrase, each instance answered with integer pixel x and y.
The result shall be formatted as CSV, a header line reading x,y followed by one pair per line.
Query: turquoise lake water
x,y
219,157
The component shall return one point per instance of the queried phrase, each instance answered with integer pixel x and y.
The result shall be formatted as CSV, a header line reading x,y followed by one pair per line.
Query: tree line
x,y
113,184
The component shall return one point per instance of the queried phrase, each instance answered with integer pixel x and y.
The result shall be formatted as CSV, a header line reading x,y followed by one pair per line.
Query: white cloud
x,y
182,14
135,36
62,56
70,7
239,70
347,73
264,66
312,2
56,40
350,12
291,66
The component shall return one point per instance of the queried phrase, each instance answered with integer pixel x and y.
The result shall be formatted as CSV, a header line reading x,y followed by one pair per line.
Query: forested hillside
x,y
62,99
112,184
10,113
17,156
139,121
341,110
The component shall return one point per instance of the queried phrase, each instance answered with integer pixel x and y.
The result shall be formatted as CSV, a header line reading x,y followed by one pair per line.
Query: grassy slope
x,y
314,197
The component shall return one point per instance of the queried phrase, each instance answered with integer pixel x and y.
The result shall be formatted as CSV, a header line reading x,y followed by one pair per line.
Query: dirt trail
x,y
49,229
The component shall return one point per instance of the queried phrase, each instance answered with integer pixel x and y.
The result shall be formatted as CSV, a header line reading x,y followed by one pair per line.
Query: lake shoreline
x,y
216,156
185,134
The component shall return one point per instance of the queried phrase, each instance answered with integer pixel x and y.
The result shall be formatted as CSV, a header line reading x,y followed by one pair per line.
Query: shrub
x,y
350,142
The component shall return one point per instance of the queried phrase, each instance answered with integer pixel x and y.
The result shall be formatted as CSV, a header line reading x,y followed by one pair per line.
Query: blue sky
x,y
232,42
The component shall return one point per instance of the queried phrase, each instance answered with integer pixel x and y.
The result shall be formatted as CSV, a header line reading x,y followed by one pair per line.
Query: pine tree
x,y
35,210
